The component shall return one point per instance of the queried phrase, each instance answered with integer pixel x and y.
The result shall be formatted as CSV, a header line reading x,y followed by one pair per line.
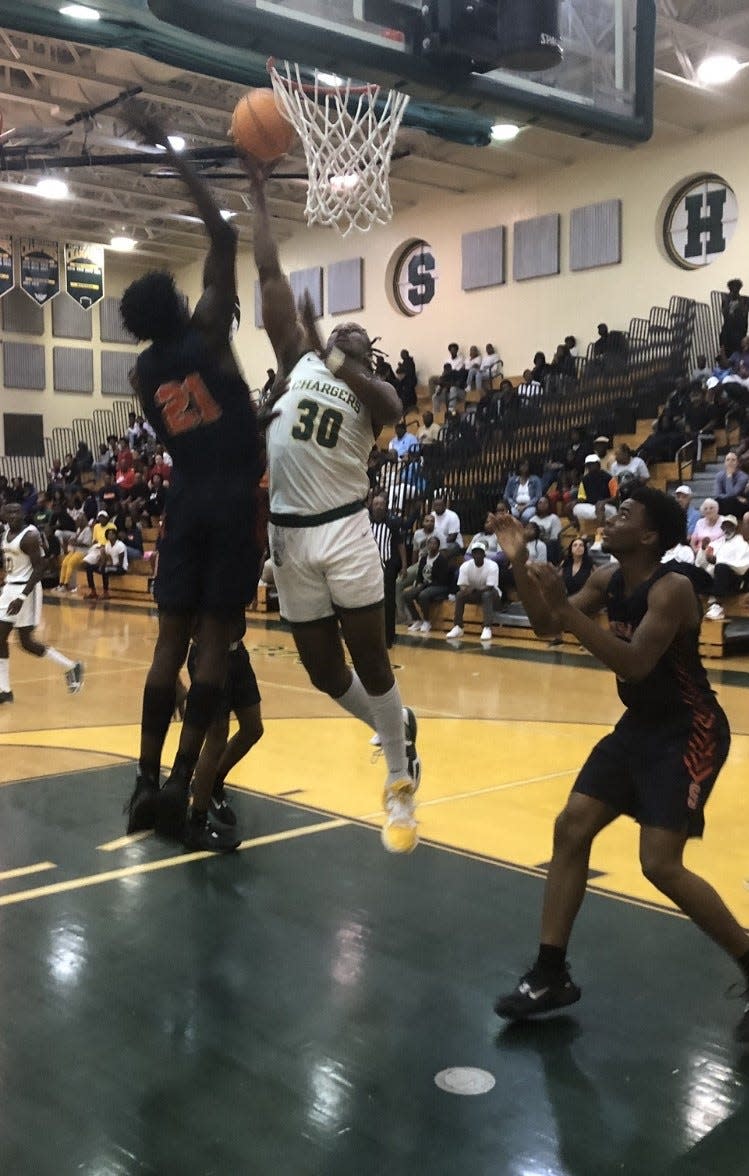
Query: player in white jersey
x,y
325,411
21,599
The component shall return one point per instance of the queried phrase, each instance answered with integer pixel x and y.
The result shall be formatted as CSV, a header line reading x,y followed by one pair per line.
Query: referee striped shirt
x,y
386,536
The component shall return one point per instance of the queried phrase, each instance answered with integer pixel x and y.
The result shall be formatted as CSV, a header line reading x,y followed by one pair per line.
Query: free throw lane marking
x,y
22,871
121,842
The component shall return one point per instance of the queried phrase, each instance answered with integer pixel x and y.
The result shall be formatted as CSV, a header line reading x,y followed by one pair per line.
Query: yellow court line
x,y
122,842
23,870
163,864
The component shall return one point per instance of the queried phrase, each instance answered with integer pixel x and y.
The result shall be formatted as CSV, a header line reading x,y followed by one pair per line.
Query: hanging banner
x,y
7,269
40,269
84,273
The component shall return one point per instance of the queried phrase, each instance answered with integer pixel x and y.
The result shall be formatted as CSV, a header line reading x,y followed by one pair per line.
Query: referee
x,y
388,536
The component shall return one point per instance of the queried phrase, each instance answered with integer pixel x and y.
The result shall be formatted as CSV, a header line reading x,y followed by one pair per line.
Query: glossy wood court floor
x,y
285,1010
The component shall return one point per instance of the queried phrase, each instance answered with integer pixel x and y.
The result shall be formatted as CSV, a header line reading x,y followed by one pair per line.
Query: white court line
x,y
478,792
122,842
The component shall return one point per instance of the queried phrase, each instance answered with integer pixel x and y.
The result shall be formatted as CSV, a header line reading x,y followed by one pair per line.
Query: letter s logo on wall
x,y
415,278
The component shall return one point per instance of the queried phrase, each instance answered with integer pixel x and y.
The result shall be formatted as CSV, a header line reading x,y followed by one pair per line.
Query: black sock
x,y
218,788
182,769
197,818
551,959
158,707
743,962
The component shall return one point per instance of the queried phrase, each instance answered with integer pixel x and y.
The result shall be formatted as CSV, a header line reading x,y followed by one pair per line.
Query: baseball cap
x,y
592,457
683,490
103,514
479,545
729,519
601,440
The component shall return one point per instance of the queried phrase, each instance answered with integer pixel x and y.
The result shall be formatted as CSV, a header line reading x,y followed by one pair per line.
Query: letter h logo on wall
x,y
700,222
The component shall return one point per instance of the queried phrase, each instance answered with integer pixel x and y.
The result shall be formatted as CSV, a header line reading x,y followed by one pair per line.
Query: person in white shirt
x,y
112,562
429,431
681,553
473,369
727,561
447,528
478,583
549,528
536,547
449,385
626,462
491,366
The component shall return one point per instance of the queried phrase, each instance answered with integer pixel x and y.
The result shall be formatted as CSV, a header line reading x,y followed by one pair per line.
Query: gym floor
x,y
285,1010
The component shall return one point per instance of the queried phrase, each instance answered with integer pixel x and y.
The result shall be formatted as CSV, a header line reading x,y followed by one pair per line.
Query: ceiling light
x,y
344,183
122,244
227,213
329,79
79,12
176,142
51,188
504,132
717,69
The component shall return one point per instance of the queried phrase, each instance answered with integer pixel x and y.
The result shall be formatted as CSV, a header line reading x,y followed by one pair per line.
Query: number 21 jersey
x,y
318,445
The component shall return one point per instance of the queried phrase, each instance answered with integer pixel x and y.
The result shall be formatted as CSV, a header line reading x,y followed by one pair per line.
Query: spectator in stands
x,y
269,382
161,465
506,398
680,553
408,577
578,445
523,491
601,345
540,369
432,584
602,446
735,311
683,496
125,477
666,439
447,528
597,491
700,418
103,464
478,583
77,550
156,500
54,476
576,565
60,523
562,370
570,343
109,495
707,528
29,498
529,390
451,378
410,485
384,370
537,552
42,513
133,432
549,527
730,488
83,461
405,381
131,535
402,443
473,369
727,560
626,462
389,539
429,431
68,470
701,372
491,367
112,561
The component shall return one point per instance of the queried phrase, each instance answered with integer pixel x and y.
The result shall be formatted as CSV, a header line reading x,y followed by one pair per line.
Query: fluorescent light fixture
x,y
504,132
329,79
176,142
227,214
80,12
717,69
51,188
122,244
345,182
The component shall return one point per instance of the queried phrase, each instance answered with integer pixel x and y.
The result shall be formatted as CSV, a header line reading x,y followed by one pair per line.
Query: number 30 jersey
x,y
317,448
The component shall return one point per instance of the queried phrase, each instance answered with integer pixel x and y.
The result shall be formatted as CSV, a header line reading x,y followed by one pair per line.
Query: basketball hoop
x,y
348,133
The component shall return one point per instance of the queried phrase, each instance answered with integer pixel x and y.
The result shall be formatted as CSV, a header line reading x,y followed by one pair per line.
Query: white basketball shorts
x,y
319,569
31,610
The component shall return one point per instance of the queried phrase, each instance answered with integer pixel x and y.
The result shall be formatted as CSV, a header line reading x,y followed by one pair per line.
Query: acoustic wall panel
x,y
115,369
311,280
21,315
596,235
110,323
69,319
483,258
258,307
345,286
535,249
23,364
73,369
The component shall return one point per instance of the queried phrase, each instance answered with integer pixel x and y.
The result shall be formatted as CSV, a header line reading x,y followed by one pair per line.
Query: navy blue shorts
x,y
241,688
209,560
659,773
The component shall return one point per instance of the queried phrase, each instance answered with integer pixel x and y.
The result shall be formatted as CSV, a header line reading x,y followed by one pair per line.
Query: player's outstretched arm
x,y
509,532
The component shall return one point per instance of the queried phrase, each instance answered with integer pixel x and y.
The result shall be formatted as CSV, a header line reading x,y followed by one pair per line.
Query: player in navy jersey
x,y
198,404
661,760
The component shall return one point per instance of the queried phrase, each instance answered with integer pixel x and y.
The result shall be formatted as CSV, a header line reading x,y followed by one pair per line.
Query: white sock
x,y
357,702
58,657
387,710
4,675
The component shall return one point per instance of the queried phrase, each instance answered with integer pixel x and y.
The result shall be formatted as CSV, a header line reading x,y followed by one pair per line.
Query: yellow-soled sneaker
x,y
400,833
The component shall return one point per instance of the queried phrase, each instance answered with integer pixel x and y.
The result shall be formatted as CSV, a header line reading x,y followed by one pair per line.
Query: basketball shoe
x,y
201,834
74,678
171,806
400,832
221,811
538,991
141,808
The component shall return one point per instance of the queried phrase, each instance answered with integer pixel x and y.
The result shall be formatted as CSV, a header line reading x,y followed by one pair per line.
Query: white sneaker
x,y
486,634
414,627
400,831
375,741
425,627
456,631
715,613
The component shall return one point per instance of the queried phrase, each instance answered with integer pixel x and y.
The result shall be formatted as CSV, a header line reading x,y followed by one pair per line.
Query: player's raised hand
x,y
510,536
137,117
312,333
550,584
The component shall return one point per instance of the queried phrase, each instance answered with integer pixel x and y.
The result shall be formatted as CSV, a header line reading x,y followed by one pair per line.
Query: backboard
x,y
603,86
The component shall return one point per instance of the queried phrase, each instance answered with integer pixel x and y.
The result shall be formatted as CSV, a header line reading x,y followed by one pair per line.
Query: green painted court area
x,y
285,1010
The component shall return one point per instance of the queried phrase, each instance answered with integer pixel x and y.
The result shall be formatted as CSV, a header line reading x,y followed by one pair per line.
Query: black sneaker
x,y
6,696
74,678
202,835
414,763
171,808
538,992
221,811
141,808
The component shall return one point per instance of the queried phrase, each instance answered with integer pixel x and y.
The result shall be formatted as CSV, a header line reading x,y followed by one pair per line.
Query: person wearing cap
x,y
602,446
683,496
597,491
111,561
478,583
727,561
100,528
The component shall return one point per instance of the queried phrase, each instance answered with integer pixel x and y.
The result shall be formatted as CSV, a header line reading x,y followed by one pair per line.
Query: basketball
x,y
259,128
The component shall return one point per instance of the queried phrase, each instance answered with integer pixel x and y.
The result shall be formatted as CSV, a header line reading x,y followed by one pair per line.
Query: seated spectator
x,y
429,431
447,528
601,345
540,369
377,458
409,483
446,387
103,464
490,368
133,432
269,382
627,462
707,528
109,495
384,370
562,492
602,446
549,527
666,439
575,456
478,583
562,370
537,552
432,584
161,465
727,560
83,461
156,500
683,496
54,475
68,470
680,553
418,549
488,537
42,513
529,391
597,491
730,488
405,381
112,561
130,534
700,419
402,443
576,565
77,550
61,524
523,491
473,369
125,477
702,371
570,343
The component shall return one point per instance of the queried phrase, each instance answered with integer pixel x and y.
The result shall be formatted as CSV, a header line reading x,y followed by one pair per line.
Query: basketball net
x,y
348,134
